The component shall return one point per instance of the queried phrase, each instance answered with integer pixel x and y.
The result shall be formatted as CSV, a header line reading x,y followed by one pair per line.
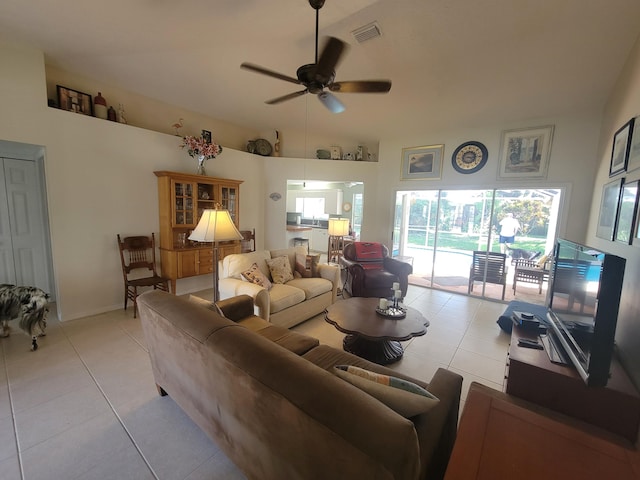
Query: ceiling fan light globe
x,y
331,102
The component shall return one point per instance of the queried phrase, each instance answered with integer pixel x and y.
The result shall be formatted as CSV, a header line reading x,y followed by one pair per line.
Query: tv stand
x,y
531,376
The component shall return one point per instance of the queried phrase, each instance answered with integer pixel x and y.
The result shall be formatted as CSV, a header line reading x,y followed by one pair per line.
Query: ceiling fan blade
x,y
362,86
284,98
329,58
331,102
270,73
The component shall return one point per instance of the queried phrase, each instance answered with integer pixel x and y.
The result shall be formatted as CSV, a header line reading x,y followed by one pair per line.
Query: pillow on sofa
x,y
402,396
254,275
307,265
280,269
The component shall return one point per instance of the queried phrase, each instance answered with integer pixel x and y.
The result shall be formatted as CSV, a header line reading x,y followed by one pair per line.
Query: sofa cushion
x,y
284,296
402,396
369,255
233,265
255,275
307,265
312,287
280,269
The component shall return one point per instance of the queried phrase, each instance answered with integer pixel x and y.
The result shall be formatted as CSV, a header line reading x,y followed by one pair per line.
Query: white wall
x,y
623,104
100,178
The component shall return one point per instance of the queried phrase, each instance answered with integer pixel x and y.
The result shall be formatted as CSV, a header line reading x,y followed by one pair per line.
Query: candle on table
x,y
383,304
396,286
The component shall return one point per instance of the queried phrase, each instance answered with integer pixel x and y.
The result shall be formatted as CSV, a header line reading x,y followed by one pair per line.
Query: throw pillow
x,y
307,265
280,269
402,396
542,261
254,275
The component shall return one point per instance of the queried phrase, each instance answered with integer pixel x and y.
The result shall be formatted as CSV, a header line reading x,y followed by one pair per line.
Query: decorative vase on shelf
x,y
201,170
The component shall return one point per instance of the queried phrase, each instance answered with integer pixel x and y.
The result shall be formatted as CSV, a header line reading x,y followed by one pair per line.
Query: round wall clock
x,y
346,207
469,157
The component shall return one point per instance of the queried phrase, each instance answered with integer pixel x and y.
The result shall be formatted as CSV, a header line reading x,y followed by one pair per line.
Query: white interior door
x,y
23,244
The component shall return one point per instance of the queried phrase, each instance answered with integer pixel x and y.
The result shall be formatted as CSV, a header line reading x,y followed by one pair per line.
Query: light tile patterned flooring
x,y
85,406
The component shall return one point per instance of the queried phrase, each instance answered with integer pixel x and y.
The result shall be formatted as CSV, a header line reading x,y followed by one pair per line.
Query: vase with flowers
x,y
201,149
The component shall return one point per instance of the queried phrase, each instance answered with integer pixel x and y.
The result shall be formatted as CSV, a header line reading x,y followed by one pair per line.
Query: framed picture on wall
x,y
634,146
620,150
627,211
74,101
525,152
422,163
609,209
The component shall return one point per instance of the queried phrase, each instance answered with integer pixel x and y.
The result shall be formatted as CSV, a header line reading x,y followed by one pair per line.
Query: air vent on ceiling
x,y
362,34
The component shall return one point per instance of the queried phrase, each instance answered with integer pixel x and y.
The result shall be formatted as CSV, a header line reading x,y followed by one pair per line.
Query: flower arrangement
x,y
199,147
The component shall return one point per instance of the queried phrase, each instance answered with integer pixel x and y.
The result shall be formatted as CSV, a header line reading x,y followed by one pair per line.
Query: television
x,y
585,285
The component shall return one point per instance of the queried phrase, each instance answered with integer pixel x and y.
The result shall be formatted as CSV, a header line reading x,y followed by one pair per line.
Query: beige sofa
x,y
284,304
269,399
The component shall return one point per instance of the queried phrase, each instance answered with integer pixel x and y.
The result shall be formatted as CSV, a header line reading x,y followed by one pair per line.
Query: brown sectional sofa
x,y
268,398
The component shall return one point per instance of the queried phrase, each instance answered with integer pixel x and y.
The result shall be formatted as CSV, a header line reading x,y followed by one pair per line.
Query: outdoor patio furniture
x,y
531,271
489,267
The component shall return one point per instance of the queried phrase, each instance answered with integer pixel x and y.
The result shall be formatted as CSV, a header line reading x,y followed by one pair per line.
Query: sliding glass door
x,y
438,230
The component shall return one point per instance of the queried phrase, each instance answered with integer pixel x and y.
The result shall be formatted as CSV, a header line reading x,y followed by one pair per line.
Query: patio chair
x,y
489,267
532,271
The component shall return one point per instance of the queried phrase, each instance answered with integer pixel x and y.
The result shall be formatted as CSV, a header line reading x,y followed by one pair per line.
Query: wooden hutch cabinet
x,y
182,199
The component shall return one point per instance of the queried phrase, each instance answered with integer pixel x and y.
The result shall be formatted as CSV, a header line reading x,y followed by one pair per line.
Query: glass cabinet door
x,y
228,200
184,205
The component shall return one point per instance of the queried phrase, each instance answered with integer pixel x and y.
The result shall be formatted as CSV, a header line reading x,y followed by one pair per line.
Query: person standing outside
x,y
509,226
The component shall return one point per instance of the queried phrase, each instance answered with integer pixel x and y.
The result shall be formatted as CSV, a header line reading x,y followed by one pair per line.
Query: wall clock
x,y
346,207
469,157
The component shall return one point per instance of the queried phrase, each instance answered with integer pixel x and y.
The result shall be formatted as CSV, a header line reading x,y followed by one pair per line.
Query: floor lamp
x,y
215,226
338,228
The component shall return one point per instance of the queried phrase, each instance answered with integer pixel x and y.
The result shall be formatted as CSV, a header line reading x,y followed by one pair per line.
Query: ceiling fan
x,y
318,76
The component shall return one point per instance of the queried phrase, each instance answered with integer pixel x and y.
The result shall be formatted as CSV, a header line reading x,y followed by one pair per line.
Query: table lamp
x,y
215,226
338,228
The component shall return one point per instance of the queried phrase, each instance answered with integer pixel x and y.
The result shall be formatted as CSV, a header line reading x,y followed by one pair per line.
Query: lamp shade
x,y
338,227
215,226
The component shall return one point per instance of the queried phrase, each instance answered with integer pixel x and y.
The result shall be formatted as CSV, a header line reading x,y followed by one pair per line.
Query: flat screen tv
x,y
585,288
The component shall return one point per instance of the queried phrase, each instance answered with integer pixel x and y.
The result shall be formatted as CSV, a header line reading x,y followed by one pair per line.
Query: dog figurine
x,y
29,304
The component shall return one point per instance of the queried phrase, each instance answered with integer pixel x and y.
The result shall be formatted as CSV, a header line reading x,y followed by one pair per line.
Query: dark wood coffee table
x,y
372,336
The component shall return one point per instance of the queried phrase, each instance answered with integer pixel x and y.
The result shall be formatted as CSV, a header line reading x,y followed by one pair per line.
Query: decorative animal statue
x,y
29,304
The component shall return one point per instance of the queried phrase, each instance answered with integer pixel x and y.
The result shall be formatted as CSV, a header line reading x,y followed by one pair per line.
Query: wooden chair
x,y
489,267
532,271
139,253
248,242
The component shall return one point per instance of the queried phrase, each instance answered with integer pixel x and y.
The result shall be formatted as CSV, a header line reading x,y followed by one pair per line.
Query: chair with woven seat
x,y
139,253
488,267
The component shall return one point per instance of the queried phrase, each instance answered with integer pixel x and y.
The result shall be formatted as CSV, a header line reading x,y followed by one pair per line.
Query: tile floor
x,y
85,406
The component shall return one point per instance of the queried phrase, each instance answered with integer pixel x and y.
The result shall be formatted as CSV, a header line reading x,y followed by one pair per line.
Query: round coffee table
x,y
370,335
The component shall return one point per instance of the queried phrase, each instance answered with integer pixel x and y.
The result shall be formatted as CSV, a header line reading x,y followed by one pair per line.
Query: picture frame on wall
x,y
607,218
627,211
634,146
74,101
525,152
422,163
206,136
620,149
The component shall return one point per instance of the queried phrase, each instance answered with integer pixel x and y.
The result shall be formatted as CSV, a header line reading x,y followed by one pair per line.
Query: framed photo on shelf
x,y
607,218
627,211
206,136
620,150
525,152
634,146
74,101
422,163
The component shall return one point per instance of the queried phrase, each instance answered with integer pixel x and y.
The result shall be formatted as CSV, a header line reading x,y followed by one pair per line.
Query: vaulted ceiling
x,y
453,63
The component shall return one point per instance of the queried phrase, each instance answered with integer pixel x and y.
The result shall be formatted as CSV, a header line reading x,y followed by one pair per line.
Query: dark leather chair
x,y
371,272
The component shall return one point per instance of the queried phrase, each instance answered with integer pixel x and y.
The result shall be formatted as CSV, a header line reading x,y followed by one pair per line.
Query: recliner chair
x,y
371,272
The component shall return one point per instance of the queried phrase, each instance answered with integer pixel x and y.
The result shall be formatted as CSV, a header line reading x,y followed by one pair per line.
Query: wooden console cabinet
x,y
533,377
182,199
